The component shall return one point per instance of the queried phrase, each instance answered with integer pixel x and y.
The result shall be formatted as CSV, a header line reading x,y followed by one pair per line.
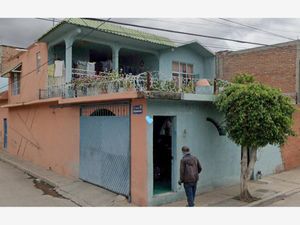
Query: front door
x,y
162,154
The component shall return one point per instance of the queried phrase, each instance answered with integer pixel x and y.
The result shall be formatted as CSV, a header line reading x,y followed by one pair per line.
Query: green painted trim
x,y
114,29
198,97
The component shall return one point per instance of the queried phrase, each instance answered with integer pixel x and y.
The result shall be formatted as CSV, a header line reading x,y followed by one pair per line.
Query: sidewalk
x,y
269,189
79,192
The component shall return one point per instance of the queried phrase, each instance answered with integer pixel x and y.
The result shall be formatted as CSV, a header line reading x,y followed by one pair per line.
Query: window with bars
x,y
16,78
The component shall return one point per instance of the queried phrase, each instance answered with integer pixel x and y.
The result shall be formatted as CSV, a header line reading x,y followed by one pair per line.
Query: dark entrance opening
x,y
162,154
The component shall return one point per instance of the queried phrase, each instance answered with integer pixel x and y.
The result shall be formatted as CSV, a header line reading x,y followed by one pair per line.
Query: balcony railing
x,y
88,84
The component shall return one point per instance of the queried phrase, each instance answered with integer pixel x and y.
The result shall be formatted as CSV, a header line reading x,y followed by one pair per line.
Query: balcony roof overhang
x,y
13,69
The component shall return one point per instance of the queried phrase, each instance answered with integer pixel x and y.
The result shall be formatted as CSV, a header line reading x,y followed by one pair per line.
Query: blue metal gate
x,y
104,146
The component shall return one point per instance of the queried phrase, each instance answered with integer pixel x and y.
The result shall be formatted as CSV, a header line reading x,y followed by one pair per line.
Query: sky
x,y
22,32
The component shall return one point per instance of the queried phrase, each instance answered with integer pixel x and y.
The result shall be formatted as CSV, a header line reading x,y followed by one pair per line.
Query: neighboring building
x,y
7,53
277,66
67,114
8,57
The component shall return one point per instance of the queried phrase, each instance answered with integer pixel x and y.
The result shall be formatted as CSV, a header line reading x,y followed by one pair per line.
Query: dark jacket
x,y
189,169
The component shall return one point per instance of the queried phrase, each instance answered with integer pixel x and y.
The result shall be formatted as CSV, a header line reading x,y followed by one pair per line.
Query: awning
x,y
14,69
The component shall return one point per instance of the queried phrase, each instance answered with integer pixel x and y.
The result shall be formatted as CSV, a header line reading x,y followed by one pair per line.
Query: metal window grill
x,y
119,109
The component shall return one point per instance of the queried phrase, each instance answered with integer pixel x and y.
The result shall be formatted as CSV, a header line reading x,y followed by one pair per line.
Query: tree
x,y
256,115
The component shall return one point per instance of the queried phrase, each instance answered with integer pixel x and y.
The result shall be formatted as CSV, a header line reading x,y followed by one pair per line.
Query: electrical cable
x,y
46,63
258,29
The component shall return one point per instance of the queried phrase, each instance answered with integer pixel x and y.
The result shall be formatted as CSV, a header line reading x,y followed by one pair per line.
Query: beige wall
x,y
46,136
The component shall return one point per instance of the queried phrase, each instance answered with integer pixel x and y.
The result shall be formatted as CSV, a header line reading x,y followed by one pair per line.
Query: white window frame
x,y
179,75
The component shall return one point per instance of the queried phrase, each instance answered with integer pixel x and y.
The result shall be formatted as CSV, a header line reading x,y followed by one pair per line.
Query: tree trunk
x,y
246,171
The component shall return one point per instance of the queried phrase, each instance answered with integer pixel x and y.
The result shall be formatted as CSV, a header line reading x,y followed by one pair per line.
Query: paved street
x,y
18,189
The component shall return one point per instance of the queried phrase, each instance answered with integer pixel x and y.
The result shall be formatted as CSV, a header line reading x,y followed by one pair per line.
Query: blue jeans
x,y
190,191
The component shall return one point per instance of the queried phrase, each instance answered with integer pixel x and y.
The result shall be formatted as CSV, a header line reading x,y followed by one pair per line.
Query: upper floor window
x,y
16,78
183,69
38,61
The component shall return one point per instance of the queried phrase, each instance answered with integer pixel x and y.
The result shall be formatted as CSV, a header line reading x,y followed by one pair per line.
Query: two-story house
x,y
113,106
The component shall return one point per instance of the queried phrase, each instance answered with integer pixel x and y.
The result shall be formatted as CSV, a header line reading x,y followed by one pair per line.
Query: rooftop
x,y
108,27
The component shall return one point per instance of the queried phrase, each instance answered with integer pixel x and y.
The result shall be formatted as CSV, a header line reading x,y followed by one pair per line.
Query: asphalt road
x,y
19,189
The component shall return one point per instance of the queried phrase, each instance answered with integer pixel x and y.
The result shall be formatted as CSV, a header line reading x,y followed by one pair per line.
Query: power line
x,y
50,20
258,29
181,32
126,24
46,63
172,39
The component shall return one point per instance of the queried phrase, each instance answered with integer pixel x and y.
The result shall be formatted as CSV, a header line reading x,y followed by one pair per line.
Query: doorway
x,y
162,154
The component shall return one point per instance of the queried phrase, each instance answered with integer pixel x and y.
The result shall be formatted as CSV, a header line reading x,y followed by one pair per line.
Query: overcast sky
x,y
22,32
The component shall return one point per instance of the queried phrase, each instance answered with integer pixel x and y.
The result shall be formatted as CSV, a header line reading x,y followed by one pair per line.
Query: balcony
x,y
87,83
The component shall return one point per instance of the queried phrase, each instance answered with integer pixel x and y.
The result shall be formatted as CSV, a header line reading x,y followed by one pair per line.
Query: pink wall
x,y
31,80
47,137
3,114
139,161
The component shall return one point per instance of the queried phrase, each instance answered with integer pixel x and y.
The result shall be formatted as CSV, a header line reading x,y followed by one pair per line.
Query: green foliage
x,y
243,78
189,87
164,86
256,115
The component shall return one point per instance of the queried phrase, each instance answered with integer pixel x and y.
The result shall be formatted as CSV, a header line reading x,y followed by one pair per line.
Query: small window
x,y
38,61
16,84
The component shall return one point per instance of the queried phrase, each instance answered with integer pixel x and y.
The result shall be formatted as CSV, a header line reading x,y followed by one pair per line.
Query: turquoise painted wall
x,y
209,67
220,157
203,66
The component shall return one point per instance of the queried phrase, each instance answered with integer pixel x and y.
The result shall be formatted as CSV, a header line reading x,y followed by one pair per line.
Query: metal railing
x,y
94,85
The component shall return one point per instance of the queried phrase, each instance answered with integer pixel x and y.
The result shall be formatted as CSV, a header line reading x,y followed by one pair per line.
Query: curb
x,y
278,196
60,191
31,173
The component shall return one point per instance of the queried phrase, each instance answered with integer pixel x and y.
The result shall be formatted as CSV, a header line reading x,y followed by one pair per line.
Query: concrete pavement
x,y
79,192
18,189
271,190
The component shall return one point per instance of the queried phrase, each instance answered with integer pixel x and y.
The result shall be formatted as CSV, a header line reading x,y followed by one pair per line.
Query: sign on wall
x,y
137,109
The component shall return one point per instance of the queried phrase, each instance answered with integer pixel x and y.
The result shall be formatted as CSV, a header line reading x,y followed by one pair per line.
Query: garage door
x,y
104,146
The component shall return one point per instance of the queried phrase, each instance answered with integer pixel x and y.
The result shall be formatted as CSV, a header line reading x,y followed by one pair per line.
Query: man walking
x,y
189,174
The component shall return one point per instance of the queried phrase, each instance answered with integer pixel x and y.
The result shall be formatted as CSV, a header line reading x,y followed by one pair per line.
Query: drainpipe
x,y
68,53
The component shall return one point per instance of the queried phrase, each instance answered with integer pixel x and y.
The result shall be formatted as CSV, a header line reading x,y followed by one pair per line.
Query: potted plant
x,y
129,85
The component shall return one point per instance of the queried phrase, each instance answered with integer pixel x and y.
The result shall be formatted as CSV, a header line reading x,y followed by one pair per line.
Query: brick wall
x,y
8,58
275,66
291,149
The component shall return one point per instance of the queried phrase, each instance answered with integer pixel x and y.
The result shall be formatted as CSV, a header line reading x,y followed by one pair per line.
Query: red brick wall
x,y
8,60
274,66
291,149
